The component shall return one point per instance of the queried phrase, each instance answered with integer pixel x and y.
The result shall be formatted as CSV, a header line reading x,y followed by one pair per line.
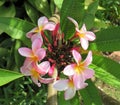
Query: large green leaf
x,y
58,3
89,16
107,70
90,95
7,76
7,11
107,40
74,9
16,28
32,12
42,6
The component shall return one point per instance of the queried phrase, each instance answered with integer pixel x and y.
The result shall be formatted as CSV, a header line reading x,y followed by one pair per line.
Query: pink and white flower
x,y
36,71
83,34
66,85
80,70
43,24
36,53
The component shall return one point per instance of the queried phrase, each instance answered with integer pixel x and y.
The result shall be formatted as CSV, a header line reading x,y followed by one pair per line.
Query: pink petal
x,y
90,36
46,80
51,70
88,73
35,80
28,63
79,80
37,36
43,67
37,43
42,20
70,93
84,43
84,28
49,26
40,53
74,22
26,52
69,70
88,59
31,33
61,85
24,70
76,56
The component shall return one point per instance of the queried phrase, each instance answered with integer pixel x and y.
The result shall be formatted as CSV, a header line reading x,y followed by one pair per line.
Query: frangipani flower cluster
x,y
54,52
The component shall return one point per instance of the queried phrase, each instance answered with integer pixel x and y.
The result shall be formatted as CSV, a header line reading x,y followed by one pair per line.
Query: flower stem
x,y
52,93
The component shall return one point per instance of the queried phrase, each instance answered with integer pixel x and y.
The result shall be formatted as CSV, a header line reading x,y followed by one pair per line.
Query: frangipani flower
x,y
36,53
79,70
43,24
66,85
83,34
36,71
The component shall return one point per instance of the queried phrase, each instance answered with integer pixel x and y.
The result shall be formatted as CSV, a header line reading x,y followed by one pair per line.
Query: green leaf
x,y
98,24
74,9
107,70
4,52
32,12
89,16
61,100
18,59
90,94
42,6
7,11
16,28
107,40
58,3
2,2
7,76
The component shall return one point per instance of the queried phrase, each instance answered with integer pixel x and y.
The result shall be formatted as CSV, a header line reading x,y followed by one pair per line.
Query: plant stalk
x,y
52,93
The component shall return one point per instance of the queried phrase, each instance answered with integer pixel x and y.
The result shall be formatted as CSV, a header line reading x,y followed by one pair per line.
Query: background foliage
x,y
19,16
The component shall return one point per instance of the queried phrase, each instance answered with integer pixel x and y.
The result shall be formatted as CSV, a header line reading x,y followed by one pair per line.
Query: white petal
x,y
88,73
70,93
61,85
42,21
79,81
73,21
76,56
88,59
49,26
84,28
46,80
90,36
44,67
69,70
35,80
84,43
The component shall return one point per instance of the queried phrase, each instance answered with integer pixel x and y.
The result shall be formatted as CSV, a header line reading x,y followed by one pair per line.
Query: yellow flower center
x,y
39,29
70,83
79,68
35,58
34,73
80,34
